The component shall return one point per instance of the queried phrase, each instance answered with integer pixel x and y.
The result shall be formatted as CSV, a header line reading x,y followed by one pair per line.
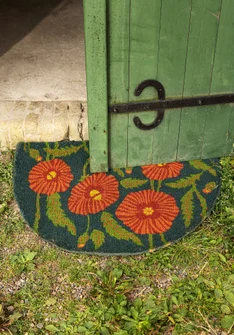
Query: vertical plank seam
x,y
211,77
159,34
185,67
105,152
107,90
129,52
217,35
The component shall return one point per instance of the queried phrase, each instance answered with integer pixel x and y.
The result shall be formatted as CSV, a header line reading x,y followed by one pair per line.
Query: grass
x,y
187,288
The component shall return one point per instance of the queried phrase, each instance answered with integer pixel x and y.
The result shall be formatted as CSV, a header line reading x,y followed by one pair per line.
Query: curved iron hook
x,y
161,96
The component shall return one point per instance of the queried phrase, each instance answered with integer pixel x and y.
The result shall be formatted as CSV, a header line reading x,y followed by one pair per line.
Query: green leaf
x,y
104,331
51,328
50,302
98,238
134,313
222,258
90,324
119,172
3,207
203,203
229,297
185,182
227,321
82,240
225,309
117,273
187,207
218,293
63,152
200,165
231,278
29,255
209,187
174,300
82,329
209,283
132,182
34,153
15,316
114,230
56,214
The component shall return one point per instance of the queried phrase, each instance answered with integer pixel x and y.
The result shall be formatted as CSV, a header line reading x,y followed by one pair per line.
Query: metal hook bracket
x,y
162,104
161,96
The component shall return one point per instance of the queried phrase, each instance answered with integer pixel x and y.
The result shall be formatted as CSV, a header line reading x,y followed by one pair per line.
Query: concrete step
x,y
42,121
42,68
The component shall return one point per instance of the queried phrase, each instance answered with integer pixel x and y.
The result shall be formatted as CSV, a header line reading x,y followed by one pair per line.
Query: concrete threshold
x,y
42,68
42,121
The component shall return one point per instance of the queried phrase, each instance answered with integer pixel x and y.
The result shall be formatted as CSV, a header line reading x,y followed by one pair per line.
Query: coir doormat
x,y
124,211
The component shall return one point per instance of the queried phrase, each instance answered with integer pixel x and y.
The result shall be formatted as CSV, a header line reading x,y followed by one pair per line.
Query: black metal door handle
x,y
160,112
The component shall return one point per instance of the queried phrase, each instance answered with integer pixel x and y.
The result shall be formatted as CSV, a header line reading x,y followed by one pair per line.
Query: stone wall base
x,y
42,121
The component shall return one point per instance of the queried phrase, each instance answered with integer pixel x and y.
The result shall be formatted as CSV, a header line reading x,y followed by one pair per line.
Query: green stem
x,y
26,145
159,185
85,147
88,225
163,239
85,167
47,153
151,245
38,213
152,184
56,146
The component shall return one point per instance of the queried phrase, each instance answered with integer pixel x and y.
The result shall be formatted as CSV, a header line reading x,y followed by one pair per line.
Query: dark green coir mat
x,y
124,211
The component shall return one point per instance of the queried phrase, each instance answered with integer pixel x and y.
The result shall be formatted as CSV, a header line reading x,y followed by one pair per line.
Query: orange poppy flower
x,y
50,177
94,194
148,212
162,171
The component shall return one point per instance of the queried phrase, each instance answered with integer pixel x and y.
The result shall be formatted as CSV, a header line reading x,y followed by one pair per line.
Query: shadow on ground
x,y
18,18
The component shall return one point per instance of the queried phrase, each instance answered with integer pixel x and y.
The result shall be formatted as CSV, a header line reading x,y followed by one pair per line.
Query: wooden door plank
x,y
144,35
118,84
96,76
173,44
201,49
218,119
217,132
230,142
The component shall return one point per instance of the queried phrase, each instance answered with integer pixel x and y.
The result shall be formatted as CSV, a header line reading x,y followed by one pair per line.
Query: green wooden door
x,y
188,46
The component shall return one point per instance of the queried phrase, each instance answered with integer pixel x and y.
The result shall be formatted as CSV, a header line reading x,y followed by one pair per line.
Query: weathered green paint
x,y
223,74
204,26
216,134
230,141
187,47
144,34
118,68
216,131
173,46
96,74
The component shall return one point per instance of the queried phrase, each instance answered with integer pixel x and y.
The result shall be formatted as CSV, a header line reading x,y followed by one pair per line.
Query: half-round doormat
x,y
124,211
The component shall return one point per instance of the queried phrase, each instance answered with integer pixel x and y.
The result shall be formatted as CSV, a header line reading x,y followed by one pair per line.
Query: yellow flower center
x,y
148,211
95,195
51,175
161,164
